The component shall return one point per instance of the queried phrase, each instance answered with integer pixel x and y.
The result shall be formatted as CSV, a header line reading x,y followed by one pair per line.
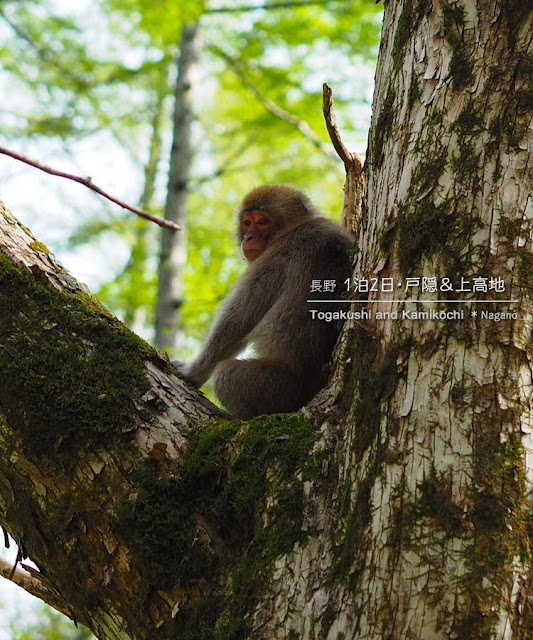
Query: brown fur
x,y
268,307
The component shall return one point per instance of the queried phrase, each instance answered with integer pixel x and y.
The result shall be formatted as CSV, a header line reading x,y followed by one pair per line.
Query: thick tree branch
x,y
84,404
145,515
87,182
32,583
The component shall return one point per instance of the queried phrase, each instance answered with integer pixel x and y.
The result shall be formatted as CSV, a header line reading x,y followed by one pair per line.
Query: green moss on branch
x,y
237,507
69,372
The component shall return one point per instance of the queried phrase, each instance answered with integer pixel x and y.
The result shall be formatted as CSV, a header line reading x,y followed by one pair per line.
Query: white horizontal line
x,y
410,300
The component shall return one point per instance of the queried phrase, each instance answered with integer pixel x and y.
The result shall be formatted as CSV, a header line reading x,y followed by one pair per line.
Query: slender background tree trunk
x,y
174,244
135,314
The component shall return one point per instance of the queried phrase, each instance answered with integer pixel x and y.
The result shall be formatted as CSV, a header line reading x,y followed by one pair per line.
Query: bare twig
x,y
87,182
351,159
354,187
271,106
14,568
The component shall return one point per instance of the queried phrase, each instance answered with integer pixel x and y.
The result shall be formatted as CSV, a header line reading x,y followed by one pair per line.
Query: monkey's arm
x,y
249,301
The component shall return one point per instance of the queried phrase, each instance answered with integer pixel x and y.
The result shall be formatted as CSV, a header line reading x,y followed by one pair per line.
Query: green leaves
x,y
107,72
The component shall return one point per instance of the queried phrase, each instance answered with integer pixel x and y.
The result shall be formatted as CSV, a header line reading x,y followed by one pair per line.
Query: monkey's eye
x,y
262,221
247,223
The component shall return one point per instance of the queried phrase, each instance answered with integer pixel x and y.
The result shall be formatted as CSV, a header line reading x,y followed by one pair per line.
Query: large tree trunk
x,y
445,456
398,504
424,528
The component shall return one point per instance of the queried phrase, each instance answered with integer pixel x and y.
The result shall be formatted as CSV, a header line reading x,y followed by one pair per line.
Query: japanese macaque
x,y
288,246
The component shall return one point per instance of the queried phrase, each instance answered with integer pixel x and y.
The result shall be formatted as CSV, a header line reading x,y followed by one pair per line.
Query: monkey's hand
x,y
187,373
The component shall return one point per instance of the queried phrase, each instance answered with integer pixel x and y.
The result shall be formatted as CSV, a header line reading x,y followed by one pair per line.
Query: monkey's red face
x,y
256,227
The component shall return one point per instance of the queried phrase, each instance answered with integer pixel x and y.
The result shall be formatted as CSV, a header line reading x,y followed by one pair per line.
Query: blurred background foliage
x,y
103,73
88,86
44,623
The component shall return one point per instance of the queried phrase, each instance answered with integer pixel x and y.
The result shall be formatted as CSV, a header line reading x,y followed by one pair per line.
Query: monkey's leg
x,y
248,388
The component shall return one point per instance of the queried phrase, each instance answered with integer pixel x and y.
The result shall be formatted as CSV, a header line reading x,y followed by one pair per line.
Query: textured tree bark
x,y
83,403
423,529
399,504
450,181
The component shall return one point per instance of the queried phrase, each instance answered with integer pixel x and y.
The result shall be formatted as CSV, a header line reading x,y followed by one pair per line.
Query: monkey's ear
x,y
309,207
